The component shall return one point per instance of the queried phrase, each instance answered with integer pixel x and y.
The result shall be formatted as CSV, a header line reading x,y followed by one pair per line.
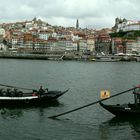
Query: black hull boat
x,y
125,110
30,99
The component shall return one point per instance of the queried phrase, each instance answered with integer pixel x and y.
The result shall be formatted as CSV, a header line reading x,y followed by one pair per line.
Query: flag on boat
x,y
104,94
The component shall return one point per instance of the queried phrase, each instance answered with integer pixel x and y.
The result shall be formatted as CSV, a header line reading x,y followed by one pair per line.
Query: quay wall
x,y
29,56
64,57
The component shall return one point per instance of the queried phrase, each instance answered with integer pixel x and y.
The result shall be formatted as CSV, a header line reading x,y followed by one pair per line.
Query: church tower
x,y
77,24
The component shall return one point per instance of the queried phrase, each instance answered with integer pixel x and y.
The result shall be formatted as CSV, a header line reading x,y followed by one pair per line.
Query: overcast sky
x,y
91,13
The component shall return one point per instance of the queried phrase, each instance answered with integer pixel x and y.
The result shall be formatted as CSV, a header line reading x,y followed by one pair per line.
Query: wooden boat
x,y
26,99
125,110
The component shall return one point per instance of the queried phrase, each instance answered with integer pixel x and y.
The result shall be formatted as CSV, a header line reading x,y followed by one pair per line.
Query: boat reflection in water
x,y
17,111
11,113
126,128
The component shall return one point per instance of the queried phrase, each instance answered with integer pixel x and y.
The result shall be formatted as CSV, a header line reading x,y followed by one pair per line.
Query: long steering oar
x,y
15,87
61,114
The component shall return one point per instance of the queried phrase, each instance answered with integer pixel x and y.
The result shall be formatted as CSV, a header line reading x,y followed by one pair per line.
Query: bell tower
x,y
77,24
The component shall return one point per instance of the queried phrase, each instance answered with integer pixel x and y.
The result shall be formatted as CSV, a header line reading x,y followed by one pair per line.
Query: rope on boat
x,y
93,103
15,87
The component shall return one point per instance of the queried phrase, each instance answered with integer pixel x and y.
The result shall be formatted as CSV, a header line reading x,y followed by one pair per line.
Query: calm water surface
x,y
85,80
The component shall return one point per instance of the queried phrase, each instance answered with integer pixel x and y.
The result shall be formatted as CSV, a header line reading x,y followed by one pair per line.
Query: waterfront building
x,y
54,34
66,34
75,46
40,46
71,46
58,34
28,40
7,36
44,34
133,46
117,45
74,37
2,46
83,45
52,44
61,45
138,45
2,32
103,43
1,38
125,46
91,44
77,35
14,40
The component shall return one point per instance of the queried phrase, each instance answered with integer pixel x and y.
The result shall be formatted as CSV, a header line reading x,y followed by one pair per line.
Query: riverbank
x,y
29,56
110,58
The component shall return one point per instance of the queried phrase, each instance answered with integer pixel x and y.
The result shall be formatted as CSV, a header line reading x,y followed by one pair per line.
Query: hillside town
x,y
39,37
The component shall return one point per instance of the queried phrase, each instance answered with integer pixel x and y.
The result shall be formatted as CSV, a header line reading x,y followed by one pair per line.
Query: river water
x,y
85,80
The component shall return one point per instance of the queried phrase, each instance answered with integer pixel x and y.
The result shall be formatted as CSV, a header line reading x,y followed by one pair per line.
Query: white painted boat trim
x,y
18,98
